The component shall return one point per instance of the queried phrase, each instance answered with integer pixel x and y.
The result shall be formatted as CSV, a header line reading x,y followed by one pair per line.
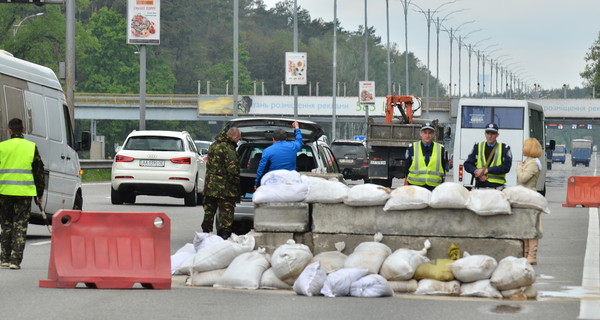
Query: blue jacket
x,y
280,155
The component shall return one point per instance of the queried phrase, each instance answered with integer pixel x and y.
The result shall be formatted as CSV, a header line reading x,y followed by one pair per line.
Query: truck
x,y
581,151
33,93
559,153
387,142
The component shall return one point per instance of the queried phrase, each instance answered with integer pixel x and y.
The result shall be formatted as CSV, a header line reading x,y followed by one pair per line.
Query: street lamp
x,y
460,43
405,5
17,26
438,24
471,47
451,34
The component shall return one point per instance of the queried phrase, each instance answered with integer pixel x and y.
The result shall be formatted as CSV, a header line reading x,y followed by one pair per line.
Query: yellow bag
x,y
435,269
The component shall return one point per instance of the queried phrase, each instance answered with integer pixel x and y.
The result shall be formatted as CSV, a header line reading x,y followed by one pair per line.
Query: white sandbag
x,y
371,286
367,194
203,239
369,255
436,287
326,191
179,257
205,279
289,260
523,293
522,197
310,281
270,281
331,261
338,283
245,271
513,273
471,268
282,186
449,195
487,202
407,198
404,286
401,264
218,255
480,288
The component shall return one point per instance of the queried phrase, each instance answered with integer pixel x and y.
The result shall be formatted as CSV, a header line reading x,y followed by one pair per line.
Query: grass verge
x,y
95,175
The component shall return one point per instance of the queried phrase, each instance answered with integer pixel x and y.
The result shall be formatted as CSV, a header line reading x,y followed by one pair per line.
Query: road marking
x,y
589,308
41,243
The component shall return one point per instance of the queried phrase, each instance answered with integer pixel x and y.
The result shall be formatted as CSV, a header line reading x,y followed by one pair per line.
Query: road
x,y
560,278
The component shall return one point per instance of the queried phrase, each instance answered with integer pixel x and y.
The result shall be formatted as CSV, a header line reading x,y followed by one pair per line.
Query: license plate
x,y
152,163
376,162
346,161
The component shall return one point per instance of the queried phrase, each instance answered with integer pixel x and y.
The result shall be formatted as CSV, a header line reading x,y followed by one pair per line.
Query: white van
x,y
517,120
32,93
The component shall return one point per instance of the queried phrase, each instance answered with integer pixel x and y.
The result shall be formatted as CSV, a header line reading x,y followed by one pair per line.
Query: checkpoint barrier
x,y
584,191
109,250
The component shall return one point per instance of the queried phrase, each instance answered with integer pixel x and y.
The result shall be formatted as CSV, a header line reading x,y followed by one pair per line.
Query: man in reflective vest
x,y
426,161
21,177
490,160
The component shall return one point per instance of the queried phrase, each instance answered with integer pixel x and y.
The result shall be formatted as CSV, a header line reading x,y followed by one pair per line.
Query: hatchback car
x,y
257,134
352,158
158,163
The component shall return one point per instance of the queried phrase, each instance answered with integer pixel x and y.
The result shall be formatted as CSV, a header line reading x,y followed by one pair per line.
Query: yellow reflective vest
x,y
16,174
430,174
496,161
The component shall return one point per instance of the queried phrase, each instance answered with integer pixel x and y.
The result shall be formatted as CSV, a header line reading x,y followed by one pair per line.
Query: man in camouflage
x,y
21,177
221,189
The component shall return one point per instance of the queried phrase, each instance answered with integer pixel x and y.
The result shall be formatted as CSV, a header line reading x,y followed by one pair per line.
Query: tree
x,y
591,74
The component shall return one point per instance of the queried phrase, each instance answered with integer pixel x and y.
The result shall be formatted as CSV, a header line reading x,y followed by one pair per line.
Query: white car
x,y
158,163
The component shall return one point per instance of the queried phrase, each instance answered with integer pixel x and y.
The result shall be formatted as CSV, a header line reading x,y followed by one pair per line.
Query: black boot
x,y
224,234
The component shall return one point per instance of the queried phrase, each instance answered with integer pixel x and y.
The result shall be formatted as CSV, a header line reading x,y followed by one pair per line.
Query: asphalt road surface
x,y
567,277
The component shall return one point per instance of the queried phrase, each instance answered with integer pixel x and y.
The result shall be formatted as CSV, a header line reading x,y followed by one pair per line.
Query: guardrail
x,y
95,164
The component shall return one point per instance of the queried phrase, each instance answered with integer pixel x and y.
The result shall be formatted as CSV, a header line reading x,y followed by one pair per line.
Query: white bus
x,y
517,120
32,93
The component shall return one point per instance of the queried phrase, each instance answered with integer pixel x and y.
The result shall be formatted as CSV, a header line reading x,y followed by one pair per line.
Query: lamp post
x,y
405,5
438,25
17,26
451,34
471,47
492,71
460,44
483,66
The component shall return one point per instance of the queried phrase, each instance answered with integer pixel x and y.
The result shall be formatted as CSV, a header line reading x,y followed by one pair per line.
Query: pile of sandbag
x,y
371,270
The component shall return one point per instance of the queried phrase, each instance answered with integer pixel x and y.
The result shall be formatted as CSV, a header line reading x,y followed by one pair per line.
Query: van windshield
x,y
505,118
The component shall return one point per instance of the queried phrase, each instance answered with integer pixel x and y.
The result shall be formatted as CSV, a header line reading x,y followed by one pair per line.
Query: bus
x,y
517,120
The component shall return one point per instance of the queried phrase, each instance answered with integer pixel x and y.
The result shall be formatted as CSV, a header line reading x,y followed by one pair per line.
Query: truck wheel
x,y
587,164
115,197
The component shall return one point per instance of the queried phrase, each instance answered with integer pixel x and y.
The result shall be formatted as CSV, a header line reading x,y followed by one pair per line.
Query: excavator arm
x,y
403,103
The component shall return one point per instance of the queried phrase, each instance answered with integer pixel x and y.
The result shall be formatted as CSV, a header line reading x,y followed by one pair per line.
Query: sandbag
x,y
522,197
205,279
310,281
367,194
245,271
218,255
331,261
369,255
436,269
523,293
270,281
473,267
480,288
203,239
435,287
326,191
487,202
449,195
179,257
407,198
404,286
512,273
282,186
289,259
402,264
338,283
371,286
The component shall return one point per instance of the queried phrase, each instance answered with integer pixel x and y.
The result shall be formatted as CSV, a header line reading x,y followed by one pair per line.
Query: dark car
x,y
352,157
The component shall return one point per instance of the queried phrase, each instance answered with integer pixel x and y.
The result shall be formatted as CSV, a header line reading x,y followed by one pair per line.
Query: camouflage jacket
x,y
223,169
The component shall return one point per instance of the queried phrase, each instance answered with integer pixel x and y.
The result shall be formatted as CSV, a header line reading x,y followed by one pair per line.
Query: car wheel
x,y
78,203
130,198
115,197
191,198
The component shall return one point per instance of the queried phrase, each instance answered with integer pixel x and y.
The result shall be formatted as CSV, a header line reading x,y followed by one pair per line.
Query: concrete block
x,y
281,217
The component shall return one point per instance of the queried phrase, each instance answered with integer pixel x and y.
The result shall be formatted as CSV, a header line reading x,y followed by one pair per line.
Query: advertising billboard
x,y
143,22
295,68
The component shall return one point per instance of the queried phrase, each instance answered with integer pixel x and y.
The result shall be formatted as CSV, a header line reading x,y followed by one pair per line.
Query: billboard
x,y
366,92
295,68
143,22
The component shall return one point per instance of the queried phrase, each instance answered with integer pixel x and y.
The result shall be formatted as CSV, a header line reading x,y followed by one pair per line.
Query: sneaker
x,y
14,267
4,265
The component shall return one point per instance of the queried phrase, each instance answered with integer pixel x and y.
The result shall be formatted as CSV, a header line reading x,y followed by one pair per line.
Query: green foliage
x,y
95,175
591,74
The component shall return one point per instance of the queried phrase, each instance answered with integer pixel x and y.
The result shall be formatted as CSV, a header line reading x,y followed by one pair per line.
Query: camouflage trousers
x,y
14,218
225,219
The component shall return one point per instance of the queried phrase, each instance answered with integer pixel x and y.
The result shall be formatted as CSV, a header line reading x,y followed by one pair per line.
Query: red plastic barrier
x,y
584,191
109,250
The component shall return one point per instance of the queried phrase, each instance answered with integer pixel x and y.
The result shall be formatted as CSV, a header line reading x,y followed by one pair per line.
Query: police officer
x,y
490,160
426,160
21,177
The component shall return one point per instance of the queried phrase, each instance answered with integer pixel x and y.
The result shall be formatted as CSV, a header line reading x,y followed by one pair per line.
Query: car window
x,y
348,150
154,143
328,159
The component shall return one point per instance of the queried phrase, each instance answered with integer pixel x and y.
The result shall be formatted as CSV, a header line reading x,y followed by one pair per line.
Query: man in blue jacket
x,y
281,154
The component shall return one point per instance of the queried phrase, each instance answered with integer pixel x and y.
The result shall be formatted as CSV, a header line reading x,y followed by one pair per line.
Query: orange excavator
x,y
404,104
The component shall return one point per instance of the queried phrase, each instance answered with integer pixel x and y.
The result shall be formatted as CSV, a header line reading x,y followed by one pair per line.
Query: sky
x,y
543,41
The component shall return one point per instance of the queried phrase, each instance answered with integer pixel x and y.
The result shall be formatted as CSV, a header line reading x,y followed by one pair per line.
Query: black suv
x,y
352,157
